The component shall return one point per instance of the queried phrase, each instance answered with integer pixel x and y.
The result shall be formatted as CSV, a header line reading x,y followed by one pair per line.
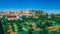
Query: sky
x,y
50,6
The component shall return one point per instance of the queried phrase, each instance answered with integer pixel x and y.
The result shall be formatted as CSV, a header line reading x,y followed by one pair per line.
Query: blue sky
x,y
50,6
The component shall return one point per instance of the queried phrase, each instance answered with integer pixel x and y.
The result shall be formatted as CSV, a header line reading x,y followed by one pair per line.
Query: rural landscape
x,y
30,22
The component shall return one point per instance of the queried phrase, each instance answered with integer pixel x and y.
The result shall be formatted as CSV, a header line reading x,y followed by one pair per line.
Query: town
x,y
30,22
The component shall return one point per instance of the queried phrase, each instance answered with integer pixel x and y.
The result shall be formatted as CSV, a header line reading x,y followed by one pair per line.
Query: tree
x,y
3,17
45,31
1,28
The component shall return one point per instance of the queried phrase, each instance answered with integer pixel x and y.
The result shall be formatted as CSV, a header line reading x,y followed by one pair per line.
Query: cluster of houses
x,y
17,14
10,15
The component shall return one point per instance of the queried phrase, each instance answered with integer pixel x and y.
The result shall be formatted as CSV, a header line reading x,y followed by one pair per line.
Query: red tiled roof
x,y
10,16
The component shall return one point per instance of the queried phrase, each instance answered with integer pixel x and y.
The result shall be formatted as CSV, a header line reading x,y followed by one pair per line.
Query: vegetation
x,y
30,24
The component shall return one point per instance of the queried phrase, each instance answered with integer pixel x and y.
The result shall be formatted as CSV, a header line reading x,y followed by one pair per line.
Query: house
x,y
12,17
